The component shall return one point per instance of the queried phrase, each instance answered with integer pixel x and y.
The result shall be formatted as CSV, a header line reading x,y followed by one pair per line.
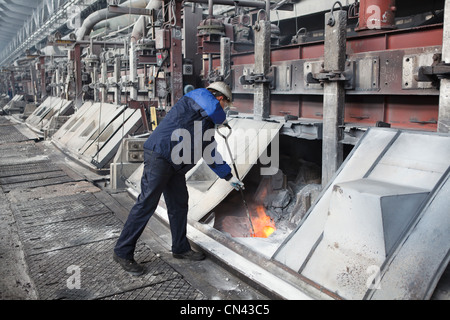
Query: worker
x,y
162,175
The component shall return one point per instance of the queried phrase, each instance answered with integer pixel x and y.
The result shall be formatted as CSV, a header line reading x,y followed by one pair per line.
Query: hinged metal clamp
x,y
347,76
325,77
255,78
437,71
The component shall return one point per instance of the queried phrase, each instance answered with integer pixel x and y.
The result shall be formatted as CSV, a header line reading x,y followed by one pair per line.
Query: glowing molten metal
x,y
264,226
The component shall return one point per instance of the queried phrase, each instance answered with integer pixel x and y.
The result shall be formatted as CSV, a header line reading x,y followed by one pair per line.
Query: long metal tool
x,y
225,137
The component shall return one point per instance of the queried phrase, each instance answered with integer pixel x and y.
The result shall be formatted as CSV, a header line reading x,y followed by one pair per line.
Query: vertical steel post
x,y
42,74
225,59
13,83
104,80
133,71
58,84
444,100
117,76
78,77
261,102
334,94
176,53
33,81
94,76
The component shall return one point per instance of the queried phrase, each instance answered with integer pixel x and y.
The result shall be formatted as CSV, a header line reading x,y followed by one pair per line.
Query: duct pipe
x,y
103,14
138,29
117,22
210,9
241,3
24,3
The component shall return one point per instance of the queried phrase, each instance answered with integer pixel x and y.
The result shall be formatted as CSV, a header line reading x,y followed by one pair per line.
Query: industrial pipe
x,y
251,4
115,23
210,9
103,14
136,34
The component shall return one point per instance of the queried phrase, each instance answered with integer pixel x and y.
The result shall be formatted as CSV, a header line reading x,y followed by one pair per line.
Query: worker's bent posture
x,y
200,108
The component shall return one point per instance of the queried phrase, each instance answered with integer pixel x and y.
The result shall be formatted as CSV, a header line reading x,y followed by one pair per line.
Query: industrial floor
x,y
58,225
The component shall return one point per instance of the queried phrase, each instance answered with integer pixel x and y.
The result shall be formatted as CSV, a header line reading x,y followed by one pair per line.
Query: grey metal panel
x,y
367,151
60,108
248,140
72,122
406,168
397,212
415,267
51,107
92,122
41,111
354,236
110,147
415,159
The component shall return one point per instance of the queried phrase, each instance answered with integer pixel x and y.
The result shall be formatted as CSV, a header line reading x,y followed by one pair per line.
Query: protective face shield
x,y
228,105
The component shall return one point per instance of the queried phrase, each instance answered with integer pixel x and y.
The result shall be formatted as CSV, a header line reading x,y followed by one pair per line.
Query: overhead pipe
x,y
210,9
24,3
103,14
117,22
242,3
139,26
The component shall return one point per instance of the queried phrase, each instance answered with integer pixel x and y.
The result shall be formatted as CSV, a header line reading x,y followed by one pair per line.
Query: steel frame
x,y
381,96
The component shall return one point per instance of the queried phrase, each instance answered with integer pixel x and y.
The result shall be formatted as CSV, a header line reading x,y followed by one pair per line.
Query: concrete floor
x,y
58,225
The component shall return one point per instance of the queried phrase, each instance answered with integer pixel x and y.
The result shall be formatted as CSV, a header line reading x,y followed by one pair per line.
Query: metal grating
x,y
10,134
53,191
25,148
43,165
4,121
4,204
63,225
58,235
45,211
45,181
100,277
176,289
32,177
30,172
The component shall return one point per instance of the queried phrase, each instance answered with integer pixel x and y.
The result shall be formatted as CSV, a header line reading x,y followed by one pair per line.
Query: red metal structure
x,y
386,97
376,14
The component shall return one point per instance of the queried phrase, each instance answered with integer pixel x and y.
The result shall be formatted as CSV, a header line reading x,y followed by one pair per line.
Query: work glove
x,y
236,184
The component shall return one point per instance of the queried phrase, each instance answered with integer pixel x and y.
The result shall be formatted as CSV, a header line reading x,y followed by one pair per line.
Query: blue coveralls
x,y
197,109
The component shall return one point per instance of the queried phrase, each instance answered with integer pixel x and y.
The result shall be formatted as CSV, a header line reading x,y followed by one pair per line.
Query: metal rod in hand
x,y
225,137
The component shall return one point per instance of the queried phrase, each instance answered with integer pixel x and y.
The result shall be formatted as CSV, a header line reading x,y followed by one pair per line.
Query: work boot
x,y
189,255
130,266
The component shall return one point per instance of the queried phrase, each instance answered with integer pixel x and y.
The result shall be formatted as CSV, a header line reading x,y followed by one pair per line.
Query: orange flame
x,y
264,226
